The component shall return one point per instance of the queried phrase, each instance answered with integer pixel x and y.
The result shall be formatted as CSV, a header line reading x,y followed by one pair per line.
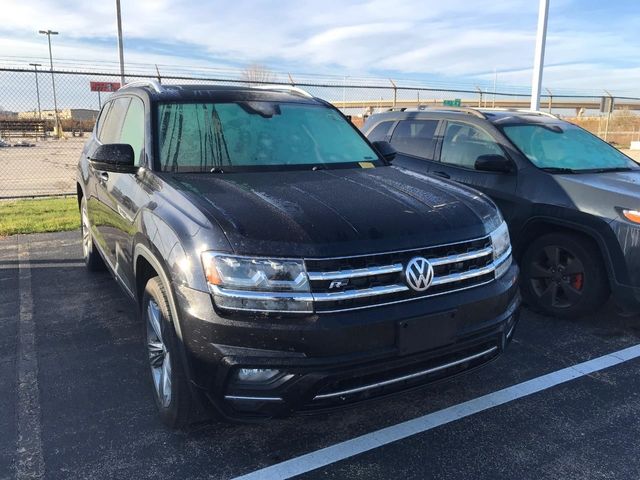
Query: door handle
x,y
104,176
442,174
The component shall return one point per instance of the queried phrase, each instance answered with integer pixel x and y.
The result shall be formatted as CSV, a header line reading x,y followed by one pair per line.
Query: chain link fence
x,y
38,159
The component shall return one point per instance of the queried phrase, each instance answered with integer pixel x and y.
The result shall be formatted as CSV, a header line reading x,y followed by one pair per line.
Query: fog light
x,y
256,374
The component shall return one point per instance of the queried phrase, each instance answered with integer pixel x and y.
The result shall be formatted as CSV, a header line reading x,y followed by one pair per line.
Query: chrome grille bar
x,y
363,292
355,273
461,257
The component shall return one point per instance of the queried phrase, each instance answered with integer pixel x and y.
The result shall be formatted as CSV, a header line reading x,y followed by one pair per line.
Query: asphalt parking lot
x,y
76,401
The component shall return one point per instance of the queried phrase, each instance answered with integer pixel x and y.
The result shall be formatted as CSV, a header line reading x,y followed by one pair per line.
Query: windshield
x,y
222,137
566,146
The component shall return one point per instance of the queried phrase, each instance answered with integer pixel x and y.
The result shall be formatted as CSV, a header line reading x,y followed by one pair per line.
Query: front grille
x,y
371,280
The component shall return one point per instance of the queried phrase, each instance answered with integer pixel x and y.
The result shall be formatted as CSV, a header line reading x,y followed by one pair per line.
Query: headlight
x,y
501,244
259,284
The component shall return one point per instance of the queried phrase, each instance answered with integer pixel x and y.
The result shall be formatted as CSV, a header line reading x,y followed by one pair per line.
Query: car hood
x,y
601,193
337,212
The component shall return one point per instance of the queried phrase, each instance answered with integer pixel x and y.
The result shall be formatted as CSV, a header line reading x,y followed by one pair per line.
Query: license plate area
x,y
425,333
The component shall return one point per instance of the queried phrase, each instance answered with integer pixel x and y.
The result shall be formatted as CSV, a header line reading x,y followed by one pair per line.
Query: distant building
x,y
63,114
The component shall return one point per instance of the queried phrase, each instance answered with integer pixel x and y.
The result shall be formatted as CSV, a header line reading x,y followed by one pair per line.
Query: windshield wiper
x,y
320,166
610,169
559,170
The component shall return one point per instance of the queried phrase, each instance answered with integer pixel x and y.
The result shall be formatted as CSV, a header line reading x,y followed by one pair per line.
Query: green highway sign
x,y
452,103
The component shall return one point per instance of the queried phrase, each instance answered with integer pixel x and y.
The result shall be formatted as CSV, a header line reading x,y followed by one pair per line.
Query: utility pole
x,y
58,129
120,47
495,83
35,68
538,61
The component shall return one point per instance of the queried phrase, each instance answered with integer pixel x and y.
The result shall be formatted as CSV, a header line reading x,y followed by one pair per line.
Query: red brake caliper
x,y
577,281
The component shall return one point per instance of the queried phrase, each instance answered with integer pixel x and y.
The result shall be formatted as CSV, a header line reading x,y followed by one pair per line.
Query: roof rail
x,y
521,110
444,108
285,88
144,83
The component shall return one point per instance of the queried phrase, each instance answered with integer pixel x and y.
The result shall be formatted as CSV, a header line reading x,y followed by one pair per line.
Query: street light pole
x,y
538,61
48,33
35,68
120,47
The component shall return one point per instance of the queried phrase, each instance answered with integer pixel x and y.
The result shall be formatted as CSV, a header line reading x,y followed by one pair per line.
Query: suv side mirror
x,y
494,163
114,157
385,149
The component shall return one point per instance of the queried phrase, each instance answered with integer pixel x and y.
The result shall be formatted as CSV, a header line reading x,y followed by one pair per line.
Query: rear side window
x,y
463,144
101,119
112,124
415,137
380,131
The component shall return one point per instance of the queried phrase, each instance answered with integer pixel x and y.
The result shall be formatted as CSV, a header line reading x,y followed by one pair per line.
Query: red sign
x,y
104,86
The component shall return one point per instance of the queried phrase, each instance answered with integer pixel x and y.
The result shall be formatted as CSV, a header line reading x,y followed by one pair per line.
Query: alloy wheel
x,y
557,277
159,357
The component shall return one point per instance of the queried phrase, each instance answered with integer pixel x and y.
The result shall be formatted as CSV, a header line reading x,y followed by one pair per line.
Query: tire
x,y
90,254
563,276
171,389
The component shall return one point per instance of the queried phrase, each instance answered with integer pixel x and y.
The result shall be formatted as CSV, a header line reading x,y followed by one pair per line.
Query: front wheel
x,y
563,276
171,389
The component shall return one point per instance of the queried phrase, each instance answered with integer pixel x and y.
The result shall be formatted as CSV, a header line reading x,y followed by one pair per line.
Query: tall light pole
x,y
48,33
35,68
538,61
120,48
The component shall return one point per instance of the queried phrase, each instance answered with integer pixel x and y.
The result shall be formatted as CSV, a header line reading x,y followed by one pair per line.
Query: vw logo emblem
x,y
419,274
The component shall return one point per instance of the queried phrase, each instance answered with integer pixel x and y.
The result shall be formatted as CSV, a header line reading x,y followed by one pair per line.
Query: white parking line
x,y
29,460
343,450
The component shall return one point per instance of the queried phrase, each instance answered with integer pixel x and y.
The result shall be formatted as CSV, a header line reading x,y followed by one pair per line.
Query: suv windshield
x,y
241,136
566,147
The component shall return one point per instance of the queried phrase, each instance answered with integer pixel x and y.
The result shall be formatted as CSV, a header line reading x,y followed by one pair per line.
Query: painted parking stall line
x,y
29,459
350,448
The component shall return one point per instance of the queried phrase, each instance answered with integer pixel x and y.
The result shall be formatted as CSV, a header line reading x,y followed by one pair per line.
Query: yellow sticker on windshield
x,y
366,164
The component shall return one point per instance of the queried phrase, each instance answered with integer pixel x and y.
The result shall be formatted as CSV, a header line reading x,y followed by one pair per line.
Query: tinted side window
x,y
415,137
463,144
110,131
101,119
380,131
133,128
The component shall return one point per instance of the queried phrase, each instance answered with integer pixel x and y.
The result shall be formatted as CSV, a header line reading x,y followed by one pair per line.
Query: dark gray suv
x,y
277,259
572,201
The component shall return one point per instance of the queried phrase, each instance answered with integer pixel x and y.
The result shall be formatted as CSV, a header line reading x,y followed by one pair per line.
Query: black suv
x,y
277,259
571,200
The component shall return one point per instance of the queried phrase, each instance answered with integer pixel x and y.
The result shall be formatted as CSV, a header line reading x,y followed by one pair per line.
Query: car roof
x,y
218,93
496,116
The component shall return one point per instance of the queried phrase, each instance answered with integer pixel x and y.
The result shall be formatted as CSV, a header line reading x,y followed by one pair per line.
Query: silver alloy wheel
x,y
86,232
158,355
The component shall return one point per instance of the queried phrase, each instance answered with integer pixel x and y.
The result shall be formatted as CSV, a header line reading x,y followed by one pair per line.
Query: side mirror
x,y
386,150
114,157
494,163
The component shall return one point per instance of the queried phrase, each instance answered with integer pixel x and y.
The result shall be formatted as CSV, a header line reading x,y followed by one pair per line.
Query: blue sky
x,y
592,45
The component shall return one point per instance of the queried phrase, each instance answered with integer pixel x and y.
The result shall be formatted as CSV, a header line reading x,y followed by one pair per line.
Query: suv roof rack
x,y
144,83
521,110
443,108
285,88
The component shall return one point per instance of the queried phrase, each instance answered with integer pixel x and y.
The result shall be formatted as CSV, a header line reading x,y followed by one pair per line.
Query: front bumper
x,y
334,359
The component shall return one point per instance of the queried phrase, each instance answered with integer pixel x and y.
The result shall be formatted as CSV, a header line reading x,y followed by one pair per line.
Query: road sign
x,y
104,86
452,103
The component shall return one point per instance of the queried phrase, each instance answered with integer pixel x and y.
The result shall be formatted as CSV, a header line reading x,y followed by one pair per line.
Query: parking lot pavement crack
x,y
29,458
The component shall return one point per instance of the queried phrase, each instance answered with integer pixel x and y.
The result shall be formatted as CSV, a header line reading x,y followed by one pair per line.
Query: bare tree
x,y
256,73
